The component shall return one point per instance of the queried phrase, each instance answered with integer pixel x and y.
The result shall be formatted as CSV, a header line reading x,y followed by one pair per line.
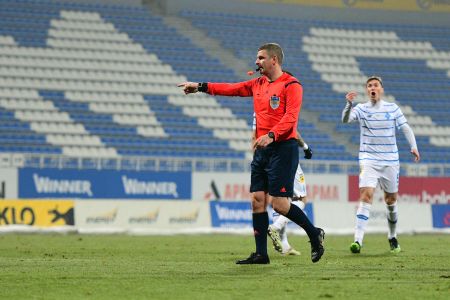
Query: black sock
x,y
260,225
297,216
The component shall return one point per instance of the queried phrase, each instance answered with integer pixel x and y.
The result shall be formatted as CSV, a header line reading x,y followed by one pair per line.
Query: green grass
x,y
56,266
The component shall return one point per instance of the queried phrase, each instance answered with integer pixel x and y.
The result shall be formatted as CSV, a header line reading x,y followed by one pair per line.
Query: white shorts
x,y
299,183
386,176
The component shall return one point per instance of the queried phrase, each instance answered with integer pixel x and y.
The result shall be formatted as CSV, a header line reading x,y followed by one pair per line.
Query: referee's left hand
x,y
262,141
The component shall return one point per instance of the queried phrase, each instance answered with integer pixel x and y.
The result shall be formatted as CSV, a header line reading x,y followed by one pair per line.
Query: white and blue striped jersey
x,y
378,143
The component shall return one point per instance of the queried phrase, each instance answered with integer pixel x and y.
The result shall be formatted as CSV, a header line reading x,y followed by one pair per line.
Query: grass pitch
x,y
44,266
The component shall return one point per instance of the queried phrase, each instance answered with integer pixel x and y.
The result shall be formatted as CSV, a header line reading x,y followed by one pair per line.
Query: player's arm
x,y
347,114
242,89
409,134
301,143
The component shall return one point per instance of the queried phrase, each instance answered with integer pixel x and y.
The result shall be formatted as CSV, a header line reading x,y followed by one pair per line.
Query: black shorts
x,y
273,168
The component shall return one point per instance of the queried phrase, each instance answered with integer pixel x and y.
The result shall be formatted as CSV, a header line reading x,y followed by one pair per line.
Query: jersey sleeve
x,y
294,97
400,118
241,89
350,114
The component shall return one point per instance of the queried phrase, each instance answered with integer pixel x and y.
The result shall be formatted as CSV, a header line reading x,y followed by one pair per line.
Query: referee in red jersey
x,y
277,98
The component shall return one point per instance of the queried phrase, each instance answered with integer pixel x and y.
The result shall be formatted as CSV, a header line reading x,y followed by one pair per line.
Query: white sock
x,y
280,221
284,240
362,218
300,204
392,216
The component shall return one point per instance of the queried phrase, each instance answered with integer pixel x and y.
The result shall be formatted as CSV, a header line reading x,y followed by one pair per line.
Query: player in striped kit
x,y
378,156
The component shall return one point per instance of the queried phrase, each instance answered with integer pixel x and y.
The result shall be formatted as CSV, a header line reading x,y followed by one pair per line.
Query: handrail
x,y
145,163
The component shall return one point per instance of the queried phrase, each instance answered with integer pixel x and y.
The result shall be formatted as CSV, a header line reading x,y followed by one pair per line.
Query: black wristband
x,y
203,87
271,135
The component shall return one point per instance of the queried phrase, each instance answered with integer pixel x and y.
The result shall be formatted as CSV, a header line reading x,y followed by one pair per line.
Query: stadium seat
x,y
86,79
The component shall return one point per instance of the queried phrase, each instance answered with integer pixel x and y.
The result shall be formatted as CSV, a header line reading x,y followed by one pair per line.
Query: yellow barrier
x,y
397,5
42,213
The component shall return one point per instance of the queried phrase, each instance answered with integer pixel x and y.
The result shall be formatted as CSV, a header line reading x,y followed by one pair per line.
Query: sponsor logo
x,y
45,184
106,218
188,218
12,215
2,190
441,215
232,191
37,212
423,197
231,214
103,184
133,186
67,217
322,192
148,218
349,2
427,4
427,190
213,194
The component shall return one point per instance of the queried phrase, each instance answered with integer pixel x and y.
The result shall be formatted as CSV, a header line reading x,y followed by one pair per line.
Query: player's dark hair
x,y
373,77
273,49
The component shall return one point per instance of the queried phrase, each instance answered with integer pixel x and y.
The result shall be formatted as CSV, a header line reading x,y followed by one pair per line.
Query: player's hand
x,y
262,141
308,153
351,96
416,155
189,87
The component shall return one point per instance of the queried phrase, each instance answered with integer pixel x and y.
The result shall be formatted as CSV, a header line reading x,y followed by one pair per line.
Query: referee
x,y
277,98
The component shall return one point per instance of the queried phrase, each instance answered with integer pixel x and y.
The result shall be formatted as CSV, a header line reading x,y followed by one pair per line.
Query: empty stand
x,y
331,58
91,80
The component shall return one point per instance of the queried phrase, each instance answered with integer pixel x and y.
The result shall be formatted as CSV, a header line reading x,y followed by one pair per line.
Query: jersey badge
x,y
387,116
274,102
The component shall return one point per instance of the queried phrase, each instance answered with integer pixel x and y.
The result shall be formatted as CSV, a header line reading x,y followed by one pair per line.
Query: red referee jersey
x,y
276,104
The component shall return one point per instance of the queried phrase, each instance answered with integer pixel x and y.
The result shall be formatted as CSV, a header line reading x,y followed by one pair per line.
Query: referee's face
x,y
374,90
264,62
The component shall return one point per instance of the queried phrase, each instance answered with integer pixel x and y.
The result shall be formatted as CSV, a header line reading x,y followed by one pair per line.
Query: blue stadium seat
x,y
29,22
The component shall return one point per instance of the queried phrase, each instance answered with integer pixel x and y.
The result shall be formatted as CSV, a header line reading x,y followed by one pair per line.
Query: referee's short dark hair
x,y
373,77
273,49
